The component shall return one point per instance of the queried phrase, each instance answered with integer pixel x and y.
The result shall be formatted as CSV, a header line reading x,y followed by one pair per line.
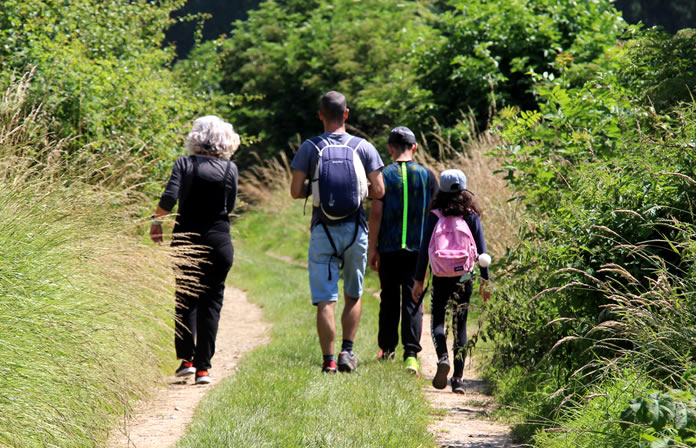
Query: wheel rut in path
x,y
466,422
162,421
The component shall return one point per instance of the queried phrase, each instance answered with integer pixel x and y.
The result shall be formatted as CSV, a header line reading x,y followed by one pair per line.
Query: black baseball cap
x,y
401,135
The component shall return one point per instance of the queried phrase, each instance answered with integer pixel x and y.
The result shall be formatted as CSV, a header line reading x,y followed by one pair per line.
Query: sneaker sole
x,y
458,391
186,372
440,379
204,380
346,368
413,371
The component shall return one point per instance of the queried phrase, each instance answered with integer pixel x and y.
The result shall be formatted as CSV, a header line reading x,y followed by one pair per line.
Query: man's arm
x,y
374,223
376,188
297,185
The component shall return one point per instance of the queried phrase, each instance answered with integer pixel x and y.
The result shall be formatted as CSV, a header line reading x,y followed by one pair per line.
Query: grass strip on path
x,y
279,397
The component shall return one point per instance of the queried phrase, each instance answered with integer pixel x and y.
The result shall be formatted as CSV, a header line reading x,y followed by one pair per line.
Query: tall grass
x,y
84,306
641,382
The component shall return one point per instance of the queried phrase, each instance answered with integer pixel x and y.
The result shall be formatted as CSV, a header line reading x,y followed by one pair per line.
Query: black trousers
x,y
396,271
199,294
450,292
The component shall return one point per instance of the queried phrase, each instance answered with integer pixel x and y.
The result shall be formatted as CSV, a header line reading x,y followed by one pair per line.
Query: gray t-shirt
x,y
307,157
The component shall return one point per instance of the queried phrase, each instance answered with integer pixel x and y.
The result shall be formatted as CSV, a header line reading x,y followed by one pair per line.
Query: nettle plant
x,y
669,418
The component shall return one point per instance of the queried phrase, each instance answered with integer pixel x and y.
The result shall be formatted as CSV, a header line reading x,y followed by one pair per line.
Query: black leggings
x,y
197,309
449,291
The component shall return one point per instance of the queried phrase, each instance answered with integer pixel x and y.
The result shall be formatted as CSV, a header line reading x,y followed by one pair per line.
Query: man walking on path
x,y
396,230
338,239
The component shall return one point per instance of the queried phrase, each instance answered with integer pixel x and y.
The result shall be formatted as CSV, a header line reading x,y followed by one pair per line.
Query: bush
x,y
607,184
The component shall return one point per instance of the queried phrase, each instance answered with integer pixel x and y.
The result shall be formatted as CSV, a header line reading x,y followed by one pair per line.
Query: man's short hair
x,y
332,106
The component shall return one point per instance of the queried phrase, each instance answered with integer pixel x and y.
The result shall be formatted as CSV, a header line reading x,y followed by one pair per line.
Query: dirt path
x,y
160,422
466,423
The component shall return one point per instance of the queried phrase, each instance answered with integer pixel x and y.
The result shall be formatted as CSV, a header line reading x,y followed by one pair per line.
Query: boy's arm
x,y
375,188
374,224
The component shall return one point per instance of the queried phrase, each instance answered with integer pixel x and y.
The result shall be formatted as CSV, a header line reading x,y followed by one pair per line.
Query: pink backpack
x,y
452,249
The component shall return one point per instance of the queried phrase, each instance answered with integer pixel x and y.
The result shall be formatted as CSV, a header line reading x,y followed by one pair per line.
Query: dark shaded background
x,y
672,15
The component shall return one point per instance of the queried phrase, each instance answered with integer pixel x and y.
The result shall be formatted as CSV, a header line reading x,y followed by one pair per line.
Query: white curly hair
x,y
212,136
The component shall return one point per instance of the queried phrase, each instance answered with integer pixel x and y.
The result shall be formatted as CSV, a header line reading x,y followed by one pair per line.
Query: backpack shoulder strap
x,y
187,179
224,182
318,143
354,139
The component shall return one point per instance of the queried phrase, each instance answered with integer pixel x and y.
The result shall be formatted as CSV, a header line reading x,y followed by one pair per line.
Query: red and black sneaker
x,y
185,369
202,377
329,367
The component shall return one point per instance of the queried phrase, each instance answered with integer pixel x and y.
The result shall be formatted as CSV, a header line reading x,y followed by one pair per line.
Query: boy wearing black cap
x,y
396,228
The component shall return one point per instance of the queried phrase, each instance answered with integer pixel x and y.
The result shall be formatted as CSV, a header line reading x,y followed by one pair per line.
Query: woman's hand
x,y
416,291
156,233
483,290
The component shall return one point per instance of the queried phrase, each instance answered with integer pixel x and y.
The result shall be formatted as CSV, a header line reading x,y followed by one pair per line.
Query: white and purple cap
x,y
452,181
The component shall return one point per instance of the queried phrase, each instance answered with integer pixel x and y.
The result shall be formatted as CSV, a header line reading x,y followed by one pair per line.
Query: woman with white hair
x,y
204,184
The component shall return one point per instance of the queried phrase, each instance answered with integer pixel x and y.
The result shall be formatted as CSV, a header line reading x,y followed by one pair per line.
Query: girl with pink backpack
x,y
452,241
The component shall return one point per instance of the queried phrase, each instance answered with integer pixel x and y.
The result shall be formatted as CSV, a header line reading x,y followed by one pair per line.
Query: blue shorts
x,y
354,261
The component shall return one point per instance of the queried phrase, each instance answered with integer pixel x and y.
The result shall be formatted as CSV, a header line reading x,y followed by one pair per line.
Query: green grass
x,y
279,397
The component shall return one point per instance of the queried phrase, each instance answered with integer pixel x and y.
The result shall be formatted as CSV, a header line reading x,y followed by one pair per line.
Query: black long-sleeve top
x,y
206,209
474,223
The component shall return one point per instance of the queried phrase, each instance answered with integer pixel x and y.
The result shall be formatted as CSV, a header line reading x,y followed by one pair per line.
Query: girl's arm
x,y
474,223
477,232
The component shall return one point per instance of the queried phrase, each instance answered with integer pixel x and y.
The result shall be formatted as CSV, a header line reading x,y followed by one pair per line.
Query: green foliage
x,y
100,72
670,417
407,63
489,48
81,301
664,68
289,54
603,274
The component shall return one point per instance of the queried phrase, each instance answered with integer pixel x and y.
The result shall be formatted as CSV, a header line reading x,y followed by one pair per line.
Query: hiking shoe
x,y
329,367
185,369
412,365
457,385
443,368
202,377
386,355
347,362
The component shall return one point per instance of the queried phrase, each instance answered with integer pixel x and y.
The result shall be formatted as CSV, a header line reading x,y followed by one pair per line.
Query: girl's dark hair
x,y
460,203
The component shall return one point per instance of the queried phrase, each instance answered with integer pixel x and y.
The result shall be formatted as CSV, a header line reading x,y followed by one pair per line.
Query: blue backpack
x,y
339,184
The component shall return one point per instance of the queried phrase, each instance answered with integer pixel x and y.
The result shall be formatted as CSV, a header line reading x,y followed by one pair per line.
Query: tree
x,y
287,56
100,72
